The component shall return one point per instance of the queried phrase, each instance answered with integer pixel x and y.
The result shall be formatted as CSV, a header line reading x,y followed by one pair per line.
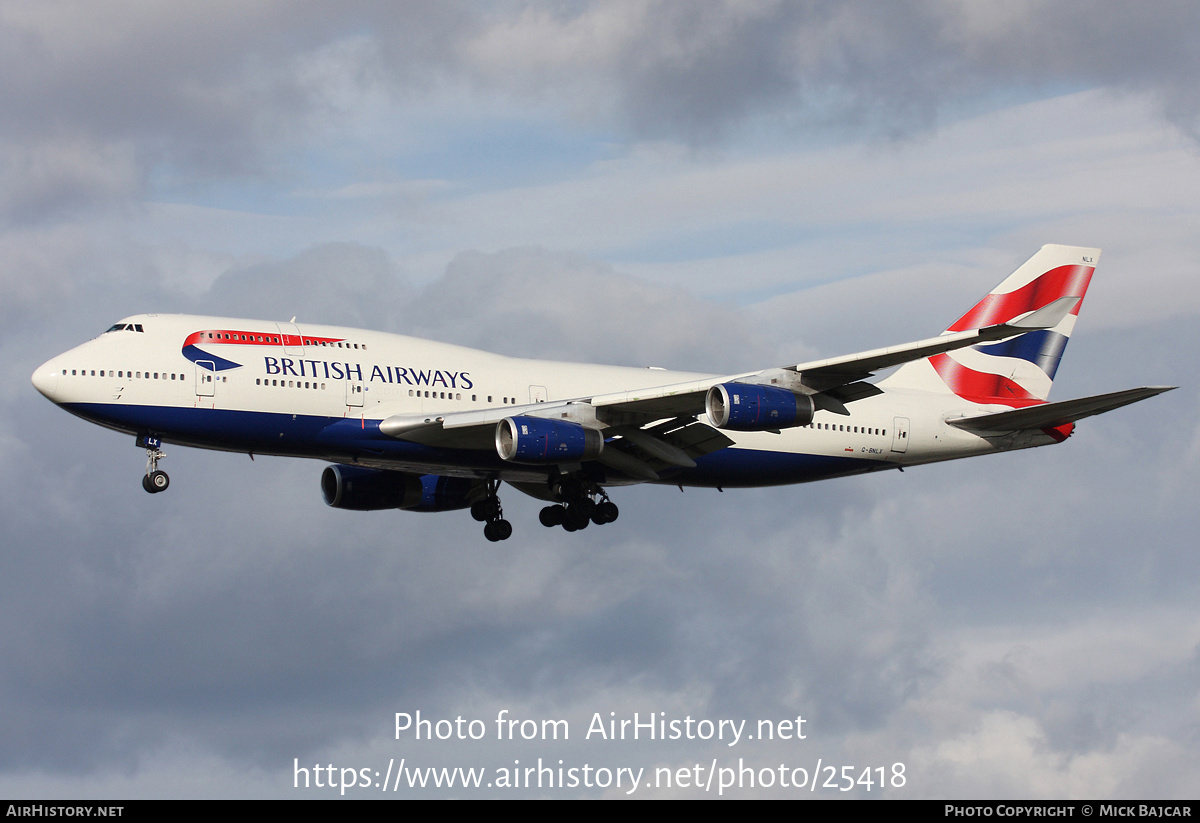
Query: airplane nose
x,y
45,380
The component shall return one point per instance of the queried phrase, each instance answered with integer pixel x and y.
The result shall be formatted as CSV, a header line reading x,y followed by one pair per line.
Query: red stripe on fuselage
x,y
233,337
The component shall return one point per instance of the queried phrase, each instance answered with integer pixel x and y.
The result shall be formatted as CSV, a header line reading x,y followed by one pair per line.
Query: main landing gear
x,y
580,503
489,509
155,480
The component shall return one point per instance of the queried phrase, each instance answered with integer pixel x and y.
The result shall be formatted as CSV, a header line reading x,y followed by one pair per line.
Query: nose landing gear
x,y
155,480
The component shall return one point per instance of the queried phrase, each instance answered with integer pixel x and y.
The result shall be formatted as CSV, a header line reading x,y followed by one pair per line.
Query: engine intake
x,y
537,440
748,407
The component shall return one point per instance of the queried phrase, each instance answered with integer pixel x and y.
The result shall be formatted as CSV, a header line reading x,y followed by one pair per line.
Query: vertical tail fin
x,y
1020,370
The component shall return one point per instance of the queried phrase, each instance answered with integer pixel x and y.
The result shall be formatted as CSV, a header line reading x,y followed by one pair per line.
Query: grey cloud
x,y
176,95
694,71
199,82
52,179
701,70
895,67
525,302
334,283
192,93
535,303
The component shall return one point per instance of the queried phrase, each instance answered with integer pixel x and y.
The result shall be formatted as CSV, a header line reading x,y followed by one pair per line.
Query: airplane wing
x,y
1049,415
836,374
627,414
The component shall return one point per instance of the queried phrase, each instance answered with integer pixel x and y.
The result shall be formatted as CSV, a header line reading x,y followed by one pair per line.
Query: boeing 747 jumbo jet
x,y
424,426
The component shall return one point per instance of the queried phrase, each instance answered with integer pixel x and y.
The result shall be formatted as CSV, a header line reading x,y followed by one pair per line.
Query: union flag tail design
x,y
1020,370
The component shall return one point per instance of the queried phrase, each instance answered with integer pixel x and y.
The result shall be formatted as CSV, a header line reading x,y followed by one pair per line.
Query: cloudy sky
x,y
702,185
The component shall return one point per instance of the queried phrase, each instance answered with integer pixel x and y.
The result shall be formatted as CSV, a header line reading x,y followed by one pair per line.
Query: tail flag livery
x,y
1019,371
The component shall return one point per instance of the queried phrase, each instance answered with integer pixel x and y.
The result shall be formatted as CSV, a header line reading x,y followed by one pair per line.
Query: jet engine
x,y
747,407
362,489
537,440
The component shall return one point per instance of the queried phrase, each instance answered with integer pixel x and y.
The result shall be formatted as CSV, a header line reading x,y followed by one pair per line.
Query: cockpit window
x,y
125,327
117,327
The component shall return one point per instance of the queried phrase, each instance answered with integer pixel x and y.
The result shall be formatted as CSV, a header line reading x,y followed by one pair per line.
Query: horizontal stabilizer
x,y
1049,415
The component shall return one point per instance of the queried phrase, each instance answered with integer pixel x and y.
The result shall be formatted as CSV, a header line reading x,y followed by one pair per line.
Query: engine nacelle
x,y
362,489
750,408
537,440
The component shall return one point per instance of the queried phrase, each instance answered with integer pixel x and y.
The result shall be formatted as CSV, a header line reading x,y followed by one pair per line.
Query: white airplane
x,y
425,426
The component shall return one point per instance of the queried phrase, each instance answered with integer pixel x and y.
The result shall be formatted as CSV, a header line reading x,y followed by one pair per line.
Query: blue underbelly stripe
x,y
342,439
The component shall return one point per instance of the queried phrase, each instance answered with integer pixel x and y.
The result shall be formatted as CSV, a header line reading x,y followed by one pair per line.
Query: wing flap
x,y
673,443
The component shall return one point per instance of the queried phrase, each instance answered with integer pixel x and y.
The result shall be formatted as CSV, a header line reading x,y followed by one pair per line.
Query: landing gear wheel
x,y
581,502
497,530
489,509
606,512
154,481
576,517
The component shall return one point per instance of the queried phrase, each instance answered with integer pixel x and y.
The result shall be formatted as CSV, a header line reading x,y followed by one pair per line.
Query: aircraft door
x,y
354,393
293,343
900,434
537,394
206,378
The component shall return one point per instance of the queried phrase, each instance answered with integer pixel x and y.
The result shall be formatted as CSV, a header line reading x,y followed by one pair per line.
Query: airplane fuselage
x,y
321,392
